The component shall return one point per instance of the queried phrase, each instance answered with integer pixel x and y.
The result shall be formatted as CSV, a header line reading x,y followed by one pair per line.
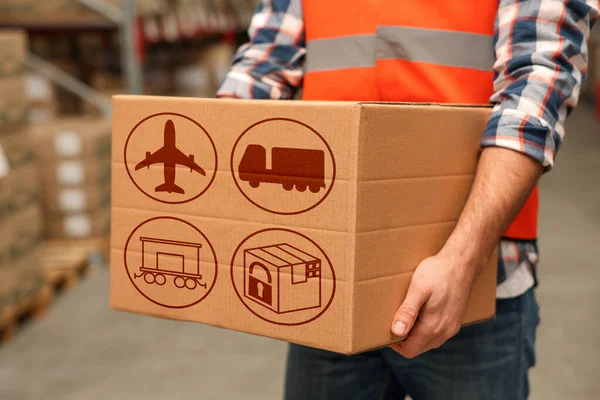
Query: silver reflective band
x,y
356,51
439,47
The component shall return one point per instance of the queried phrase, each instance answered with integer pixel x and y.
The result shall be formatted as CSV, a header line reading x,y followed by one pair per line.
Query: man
x,y
438,51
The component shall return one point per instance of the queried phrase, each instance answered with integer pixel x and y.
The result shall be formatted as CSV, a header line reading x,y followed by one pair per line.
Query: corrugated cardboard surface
x,y
16,144
77,199
57,11
60,174
13,50
39,89
20,188
391,182
13,101
27,226
67,138
21,232
78,225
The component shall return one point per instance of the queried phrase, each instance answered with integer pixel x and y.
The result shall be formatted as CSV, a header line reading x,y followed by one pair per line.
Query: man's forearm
x,y
503,182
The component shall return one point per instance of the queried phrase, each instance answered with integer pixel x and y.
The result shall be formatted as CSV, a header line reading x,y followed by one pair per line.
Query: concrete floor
x,y
83,351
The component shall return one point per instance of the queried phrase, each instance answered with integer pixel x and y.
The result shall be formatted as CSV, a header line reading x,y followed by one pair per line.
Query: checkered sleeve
x,y
541,60
269,66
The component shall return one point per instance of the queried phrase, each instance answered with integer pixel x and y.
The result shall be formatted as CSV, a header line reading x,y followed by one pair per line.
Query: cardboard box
x,y
78,198
72,138
15,141
7,233
263,202
78,225
73,173
39,89
19,189
42,113
27,227
21,233
13,52
44,12
13,101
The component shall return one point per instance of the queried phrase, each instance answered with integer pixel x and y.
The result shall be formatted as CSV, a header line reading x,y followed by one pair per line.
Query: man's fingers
x,y
417,343
408,312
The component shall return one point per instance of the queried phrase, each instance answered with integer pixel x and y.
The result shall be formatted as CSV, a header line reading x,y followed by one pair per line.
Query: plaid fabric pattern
x,y
269,66
541,61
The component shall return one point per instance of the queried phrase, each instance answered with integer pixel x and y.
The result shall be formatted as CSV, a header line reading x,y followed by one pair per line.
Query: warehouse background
x,y
60,62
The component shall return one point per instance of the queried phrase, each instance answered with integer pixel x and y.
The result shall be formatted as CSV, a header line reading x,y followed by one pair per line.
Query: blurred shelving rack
x,y
111,18
171,27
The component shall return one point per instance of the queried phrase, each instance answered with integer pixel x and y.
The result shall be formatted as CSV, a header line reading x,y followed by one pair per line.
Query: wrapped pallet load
x,y
21,277
74,156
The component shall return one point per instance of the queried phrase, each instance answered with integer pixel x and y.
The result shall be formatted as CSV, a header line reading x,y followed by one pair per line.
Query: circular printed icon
x,y
283,166
170,262
170,158
283,277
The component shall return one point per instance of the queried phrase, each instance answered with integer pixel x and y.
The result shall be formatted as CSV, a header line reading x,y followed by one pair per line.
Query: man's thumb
x,y
409,310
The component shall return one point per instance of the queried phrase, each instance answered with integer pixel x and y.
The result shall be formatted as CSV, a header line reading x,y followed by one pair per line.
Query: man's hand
x,y
436,301
438,296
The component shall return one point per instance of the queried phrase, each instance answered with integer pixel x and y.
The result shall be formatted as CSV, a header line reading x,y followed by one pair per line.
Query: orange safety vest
x,y
437,51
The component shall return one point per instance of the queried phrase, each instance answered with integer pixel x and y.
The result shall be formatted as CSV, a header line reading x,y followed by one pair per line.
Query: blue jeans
x,y
486,361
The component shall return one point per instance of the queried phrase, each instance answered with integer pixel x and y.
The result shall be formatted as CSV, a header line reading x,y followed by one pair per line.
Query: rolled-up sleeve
x,y
269,66
541,61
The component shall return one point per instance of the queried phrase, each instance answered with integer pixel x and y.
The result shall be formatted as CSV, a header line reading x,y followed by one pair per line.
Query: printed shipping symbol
x,y
302,168
170,156
282,278
162,258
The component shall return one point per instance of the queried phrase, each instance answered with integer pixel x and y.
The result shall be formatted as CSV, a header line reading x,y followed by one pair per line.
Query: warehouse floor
x,y
83,350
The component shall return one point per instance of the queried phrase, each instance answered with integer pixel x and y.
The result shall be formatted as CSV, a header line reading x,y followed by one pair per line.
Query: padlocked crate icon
x,y
282,278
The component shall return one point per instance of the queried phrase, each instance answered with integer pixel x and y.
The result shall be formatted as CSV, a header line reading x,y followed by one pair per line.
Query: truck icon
x,y
302,168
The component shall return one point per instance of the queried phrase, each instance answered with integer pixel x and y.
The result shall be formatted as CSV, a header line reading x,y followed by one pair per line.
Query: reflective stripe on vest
x,y
433,46
413,51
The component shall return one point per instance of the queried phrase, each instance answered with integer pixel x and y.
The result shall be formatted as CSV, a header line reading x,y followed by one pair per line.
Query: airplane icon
x,y
169,155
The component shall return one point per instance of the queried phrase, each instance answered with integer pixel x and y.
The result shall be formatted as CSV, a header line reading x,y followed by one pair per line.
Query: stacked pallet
x,y
22,282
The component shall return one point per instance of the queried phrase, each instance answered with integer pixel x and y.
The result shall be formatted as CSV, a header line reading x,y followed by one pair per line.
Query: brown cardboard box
x,y
39,89
59,174
70,138
78,198
301,221
27,227
44,12
13,101
15,143
42,113
6,233
13,51
20,232
41,96
79,225
20,188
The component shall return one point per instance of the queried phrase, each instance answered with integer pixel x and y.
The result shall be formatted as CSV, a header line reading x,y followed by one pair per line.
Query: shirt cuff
x,y
242,85
520,131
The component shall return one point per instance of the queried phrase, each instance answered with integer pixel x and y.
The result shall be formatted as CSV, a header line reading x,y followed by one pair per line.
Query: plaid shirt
x,y
541,61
